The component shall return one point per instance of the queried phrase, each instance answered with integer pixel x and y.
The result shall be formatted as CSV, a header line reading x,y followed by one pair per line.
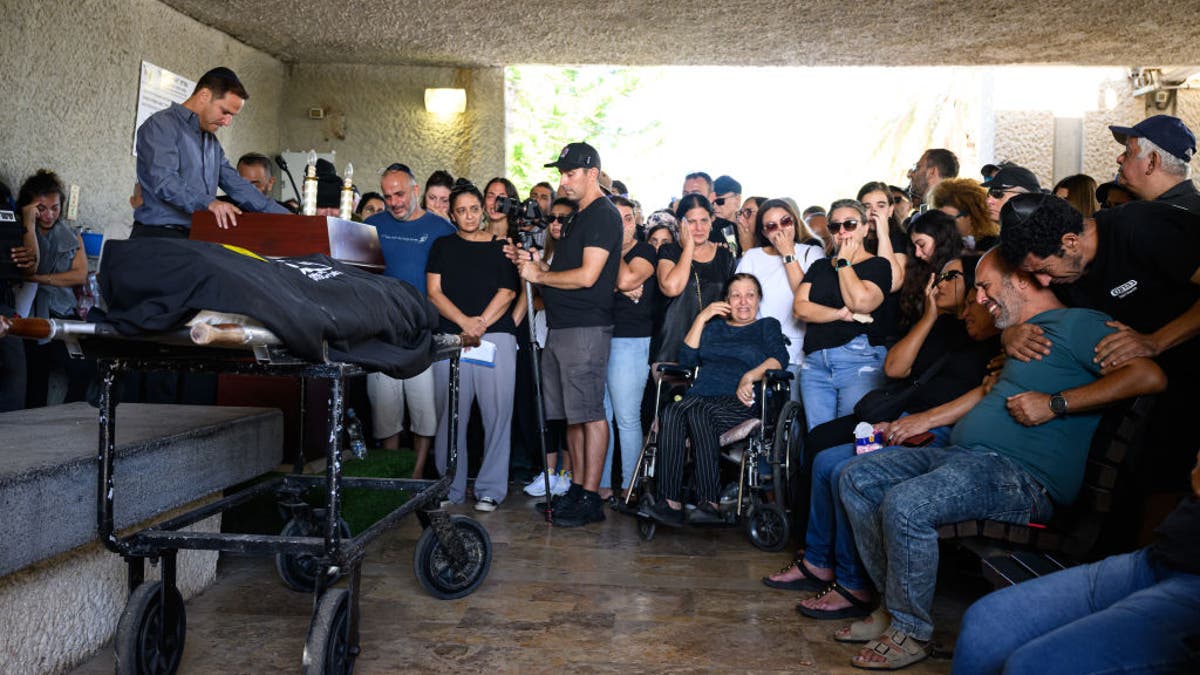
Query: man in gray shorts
x,y
578,291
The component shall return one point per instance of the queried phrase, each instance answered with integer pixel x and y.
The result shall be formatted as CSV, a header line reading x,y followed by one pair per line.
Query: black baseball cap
x,y
1165,131
576,156
1012,177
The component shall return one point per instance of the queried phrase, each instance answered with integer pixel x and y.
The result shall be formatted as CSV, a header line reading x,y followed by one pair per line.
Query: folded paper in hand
x,y
484,354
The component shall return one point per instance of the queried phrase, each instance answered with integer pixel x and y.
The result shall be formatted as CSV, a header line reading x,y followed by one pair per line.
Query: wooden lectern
x,y
286,235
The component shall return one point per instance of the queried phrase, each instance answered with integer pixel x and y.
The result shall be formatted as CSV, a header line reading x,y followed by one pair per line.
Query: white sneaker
x,y
486,504
560,484
537,486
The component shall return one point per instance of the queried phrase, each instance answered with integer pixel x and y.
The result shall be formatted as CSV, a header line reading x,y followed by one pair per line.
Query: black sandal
x,y
857,609
810,582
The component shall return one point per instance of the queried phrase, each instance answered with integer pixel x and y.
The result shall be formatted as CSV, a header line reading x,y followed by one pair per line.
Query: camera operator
x,y
578,293
499,222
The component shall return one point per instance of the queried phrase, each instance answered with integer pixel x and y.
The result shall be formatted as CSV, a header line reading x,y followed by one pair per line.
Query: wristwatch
x,y
1058,404
840,263
789,259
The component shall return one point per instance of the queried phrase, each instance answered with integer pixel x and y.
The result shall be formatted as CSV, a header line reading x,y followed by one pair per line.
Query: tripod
x,y
525,240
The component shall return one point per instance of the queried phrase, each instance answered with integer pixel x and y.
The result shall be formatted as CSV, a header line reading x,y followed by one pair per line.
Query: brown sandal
x,y
903,651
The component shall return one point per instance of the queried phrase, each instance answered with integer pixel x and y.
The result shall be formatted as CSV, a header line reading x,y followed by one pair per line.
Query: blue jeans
x,y
896,501
1121,614
628,367
829,541
833,380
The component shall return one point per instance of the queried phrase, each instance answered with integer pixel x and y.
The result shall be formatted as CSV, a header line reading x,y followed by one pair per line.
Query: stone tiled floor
x,y
595,599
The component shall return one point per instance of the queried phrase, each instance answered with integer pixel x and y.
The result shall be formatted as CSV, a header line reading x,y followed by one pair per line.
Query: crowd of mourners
x,y
981,326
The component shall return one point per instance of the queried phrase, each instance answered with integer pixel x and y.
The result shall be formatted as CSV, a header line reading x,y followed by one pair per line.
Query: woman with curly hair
x,y
965,201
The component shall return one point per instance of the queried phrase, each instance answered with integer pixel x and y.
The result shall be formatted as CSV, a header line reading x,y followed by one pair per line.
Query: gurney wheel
x,y
150,637
299,572
767,527
646,528
329,649
445,578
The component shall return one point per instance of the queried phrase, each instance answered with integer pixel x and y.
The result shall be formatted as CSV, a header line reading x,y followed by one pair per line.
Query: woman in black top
x,y
692,273
473,284
841,299
629,353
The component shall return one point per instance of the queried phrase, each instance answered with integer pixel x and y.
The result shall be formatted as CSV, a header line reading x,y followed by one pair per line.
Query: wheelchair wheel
x,y
299,571
150,635
786,451
767,526
646,526
329,648
444,577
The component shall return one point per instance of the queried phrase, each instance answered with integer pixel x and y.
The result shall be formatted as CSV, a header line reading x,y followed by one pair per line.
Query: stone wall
x,y
70,85
375,115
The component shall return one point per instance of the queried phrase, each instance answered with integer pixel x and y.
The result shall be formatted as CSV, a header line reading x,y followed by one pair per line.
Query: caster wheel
x,y
329,648
299,572
150,636
646,528
767,527
444,577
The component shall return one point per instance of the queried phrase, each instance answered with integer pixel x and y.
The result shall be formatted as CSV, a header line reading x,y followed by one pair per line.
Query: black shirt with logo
x,y
597,226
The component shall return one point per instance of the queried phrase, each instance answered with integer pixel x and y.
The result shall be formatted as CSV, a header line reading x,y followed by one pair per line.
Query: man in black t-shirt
x,y
578,291
1140,264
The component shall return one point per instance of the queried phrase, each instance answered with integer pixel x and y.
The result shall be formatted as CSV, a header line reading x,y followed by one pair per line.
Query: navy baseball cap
x,y
1165,131
576,156
726,184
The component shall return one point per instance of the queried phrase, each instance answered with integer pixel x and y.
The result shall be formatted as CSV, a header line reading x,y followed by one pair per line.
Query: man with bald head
x,y
406,233
1018,449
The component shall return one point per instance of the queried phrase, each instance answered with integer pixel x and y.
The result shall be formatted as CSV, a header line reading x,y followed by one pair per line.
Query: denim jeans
x,y
833,380
895,502
1121,614
628,367
829,541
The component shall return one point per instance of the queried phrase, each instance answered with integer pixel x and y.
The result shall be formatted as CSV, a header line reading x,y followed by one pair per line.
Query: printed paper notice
x,y
157,90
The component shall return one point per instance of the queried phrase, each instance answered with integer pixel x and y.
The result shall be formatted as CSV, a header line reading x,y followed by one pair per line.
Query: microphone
x,y
279,160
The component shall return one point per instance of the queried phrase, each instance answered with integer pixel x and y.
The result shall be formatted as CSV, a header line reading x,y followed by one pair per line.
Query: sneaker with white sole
x,y
486,504
560,483
537,486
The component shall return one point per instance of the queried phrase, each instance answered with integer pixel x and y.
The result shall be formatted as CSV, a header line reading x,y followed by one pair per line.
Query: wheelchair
x,y
761,456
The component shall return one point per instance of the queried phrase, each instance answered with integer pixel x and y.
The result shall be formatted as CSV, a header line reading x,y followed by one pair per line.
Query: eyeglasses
x,y
948,275
997,193
784,223
848,225
565,220
747,213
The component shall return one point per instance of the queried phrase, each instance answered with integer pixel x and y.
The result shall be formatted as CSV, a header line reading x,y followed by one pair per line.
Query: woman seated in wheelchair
x,y
732,349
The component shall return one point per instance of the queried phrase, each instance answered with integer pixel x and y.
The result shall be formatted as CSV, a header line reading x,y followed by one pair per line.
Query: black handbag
x,y
886,403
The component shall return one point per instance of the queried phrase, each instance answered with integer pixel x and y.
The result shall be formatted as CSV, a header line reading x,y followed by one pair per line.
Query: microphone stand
x,y
284,167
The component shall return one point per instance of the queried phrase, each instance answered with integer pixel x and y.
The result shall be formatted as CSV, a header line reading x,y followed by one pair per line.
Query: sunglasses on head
x,y
784,223
848,225
565,220
948,275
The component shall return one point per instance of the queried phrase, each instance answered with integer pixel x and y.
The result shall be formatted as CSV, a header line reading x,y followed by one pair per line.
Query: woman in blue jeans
x,y
840,299
1137,612
629,353
949,347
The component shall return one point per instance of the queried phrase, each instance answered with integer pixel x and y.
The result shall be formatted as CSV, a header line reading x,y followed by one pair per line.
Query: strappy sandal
x,y
904,651
862,631
811,582
857,609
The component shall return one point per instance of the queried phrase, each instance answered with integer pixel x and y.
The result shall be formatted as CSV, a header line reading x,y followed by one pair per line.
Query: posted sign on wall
x,y
158,89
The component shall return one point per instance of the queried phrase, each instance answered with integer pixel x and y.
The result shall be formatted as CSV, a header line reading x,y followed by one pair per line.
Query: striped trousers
x,y
702,419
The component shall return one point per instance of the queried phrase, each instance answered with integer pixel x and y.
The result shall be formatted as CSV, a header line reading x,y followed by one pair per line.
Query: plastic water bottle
x,y
355,431
866,439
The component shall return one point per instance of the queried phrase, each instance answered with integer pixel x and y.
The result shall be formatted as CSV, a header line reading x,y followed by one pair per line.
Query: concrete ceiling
x,y
723,32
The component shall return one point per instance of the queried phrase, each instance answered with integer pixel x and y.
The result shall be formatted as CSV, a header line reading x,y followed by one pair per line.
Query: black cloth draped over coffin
x,y
381,323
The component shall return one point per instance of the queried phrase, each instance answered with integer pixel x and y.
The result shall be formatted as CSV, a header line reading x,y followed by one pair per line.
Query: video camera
x,y
521,213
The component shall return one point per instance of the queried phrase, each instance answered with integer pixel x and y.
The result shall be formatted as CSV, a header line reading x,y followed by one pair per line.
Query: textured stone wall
x,y
375,115
70,84
1026,138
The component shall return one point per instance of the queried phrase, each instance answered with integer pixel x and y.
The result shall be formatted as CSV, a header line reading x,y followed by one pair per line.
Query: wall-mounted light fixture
x,y
446,101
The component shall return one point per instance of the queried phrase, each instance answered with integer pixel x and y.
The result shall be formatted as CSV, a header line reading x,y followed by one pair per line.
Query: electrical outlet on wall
x,y
73,203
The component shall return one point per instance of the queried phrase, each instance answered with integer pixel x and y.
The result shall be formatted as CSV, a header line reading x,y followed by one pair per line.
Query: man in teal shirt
x,y
1018,448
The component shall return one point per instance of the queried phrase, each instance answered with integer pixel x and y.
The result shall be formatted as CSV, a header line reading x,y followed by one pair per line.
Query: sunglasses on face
x,y
997,193
565,220
784,223
720,201
949,275
848,225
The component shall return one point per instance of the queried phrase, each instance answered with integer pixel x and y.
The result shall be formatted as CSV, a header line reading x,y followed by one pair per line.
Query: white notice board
x,y
158,89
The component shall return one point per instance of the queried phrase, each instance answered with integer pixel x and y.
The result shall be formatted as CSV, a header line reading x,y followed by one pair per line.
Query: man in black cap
x,y
578,292
1112,194
1008,181
727,199
1154,164
180,162
1147,277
